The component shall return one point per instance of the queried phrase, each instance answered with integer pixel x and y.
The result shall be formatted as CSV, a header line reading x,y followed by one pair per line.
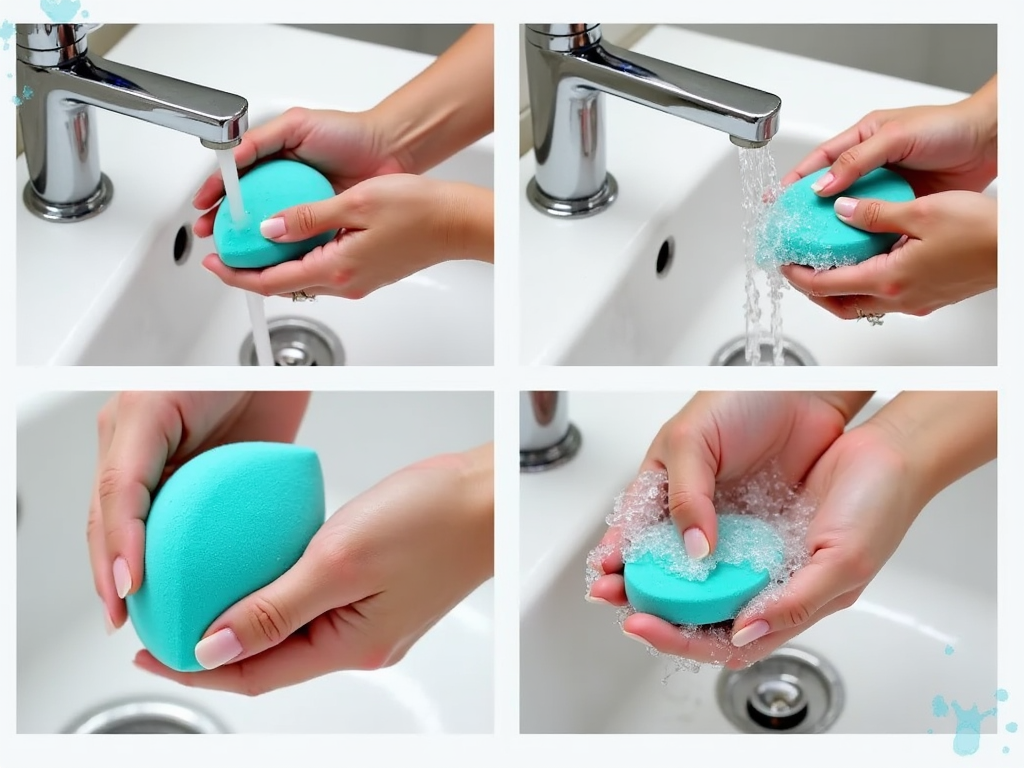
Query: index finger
x,y
826,153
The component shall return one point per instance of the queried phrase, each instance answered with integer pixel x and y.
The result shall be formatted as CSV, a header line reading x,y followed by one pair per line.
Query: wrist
x,y
477,483
848,404
982,110
468,224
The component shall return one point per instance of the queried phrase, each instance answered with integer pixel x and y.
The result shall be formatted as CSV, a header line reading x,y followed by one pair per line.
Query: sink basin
x,y
125,288
68,667
590,289
580,674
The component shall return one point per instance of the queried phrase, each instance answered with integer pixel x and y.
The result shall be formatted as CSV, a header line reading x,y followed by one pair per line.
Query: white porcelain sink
x,y
108,291
68,666
580,674
590,293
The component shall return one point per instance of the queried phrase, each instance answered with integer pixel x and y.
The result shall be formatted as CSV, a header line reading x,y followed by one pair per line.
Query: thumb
x,y
268,616
877,215
307,220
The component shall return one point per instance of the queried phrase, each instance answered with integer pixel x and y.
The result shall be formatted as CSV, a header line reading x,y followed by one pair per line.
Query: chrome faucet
x,y
546,436
63,84
570,68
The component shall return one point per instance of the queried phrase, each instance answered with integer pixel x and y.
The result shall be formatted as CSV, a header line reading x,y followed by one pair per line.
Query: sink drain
x,y
147,717
735,353
297,341
790,691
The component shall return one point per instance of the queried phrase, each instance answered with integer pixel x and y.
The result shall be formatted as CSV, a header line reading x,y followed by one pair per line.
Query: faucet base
x,y
584,206
70,212
549,458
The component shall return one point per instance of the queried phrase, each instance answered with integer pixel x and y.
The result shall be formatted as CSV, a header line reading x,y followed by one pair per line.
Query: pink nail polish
x,y
696,543
823,182
111,629
217,649
638,639
844,207
750,633
271,228
592,599
122,577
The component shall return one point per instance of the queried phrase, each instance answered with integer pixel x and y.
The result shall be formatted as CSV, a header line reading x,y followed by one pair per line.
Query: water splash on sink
x,y
254,302
759,187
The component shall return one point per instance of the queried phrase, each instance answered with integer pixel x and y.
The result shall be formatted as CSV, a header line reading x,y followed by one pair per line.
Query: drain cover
x,y
297,341
147,717
735,353
790,691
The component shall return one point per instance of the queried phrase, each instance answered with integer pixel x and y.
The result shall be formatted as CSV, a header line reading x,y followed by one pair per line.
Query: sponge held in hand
x,y
657,585
269,189
802,227
225,524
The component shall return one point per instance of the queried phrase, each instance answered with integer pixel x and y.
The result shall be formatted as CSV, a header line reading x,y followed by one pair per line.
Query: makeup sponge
x,y
663,581
802,228
268,189
225,524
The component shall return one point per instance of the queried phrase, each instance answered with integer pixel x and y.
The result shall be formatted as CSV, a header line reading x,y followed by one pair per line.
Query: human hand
x,y
144,437
389,227
948,254
382,571
346,147
935,148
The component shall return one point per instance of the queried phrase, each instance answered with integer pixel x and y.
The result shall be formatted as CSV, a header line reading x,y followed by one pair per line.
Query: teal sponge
x,y
802,227
268,189
662,580
225,524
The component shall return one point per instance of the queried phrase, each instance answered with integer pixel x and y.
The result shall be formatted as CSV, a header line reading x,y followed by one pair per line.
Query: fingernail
x,y
111,629
592,599
271,228
750,633
638,639
217,649
122,577
844,207
823,182
696,543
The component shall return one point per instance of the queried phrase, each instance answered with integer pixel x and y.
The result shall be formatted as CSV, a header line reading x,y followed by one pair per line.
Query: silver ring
x,y
302,296
871,317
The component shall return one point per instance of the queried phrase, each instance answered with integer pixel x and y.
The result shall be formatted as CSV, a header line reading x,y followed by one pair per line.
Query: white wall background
x,y
424,38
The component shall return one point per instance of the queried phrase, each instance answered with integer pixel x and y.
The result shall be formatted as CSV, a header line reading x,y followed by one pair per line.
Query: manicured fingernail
x,y
844,207
111,629
750,633
823,182
122,577
638,639
696,543
271,228
592,599
217,649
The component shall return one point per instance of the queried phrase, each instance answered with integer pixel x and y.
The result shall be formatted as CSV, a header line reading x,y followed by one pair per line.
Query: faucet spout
x,y
570,69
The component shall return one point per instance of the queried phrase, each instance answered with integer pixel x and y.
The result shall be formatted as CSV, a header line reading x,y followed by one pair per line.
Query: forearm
x,y
943,435
478,479
446,107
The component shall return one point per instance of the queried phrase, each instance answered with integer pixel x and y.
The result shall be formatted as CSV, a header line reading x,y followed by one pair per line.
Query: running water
x,y
257,313
759,182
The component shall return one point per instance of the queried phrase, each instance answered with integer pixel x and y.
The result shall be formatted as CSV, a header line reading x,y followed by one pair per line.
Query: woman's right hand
x,y
935,148
346,147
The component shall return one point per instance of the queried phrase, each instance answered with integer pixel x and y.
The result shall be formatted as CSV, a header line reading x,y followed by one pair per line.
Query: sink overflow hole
x,y
665,256
182,241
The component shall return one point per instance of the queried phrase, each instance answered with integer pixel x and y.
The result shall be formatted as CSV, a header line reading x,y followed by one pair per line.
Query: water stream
x,y
254,302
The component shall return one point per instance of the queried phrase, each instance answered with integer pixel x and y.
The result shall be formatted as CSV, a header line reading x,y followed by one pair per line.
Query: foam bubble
x,y
638,511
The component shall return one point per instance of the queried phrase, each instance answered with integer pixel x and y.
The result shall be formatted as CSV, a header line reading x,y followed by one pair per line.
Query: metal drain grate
x,y
146,717
297,341
734,353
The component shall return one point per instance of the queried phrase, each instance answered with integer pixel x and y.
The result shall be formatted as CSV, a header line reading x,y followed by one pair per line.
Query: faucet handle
x,y
49,45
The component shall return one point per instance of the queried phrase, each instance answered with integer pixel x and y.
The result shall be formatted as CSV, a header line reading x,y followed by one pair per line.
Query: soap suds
x,y
639,509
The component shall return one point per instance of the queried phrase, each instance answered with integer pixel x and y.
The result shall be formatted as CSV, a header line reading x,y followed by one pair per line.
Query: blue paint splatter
x,y
85,14
1002,695
26,94
939,707
968,723
930,730
1006,750
6,33
949,650
61,11
1011,727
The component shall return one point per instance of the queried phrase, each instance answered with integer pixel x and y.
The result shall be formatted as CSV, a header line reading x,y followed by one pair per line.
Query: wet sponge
x,y
268,189
802,228
228,522
664,582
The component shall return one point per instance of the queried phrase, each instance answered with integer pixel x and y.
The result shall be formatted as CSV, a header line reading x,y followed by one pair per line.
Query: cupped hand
x,y
346,147
389,227
948,254
144,437
382,571
935,148
867,499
